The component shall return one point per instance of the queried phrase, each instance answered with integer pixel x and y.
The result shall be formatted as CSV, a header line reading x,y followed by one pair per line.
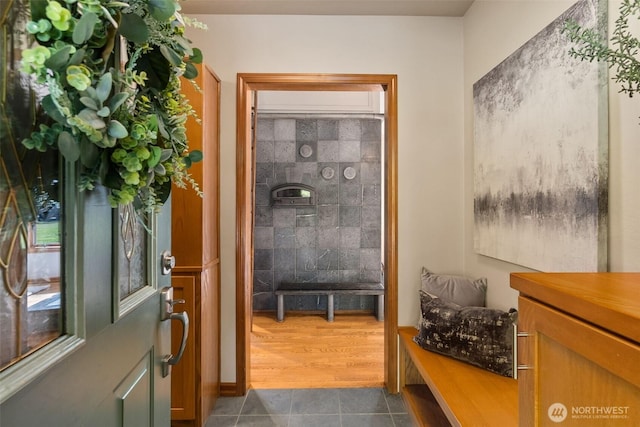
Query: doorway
x,y
248,85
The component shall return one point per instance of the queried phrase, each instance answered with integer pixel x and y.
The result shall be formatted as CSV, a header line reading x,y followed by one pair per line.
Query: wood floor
x,y
306,351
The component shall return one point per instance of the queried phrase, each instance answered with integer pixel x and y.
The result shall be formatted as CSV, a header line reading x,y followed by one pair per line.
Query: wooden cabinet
x,y
579,348
196,277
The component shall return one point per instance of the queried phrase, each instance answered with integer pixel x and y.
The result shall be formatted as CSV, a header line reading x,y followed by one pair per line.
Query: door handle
x,y
167,314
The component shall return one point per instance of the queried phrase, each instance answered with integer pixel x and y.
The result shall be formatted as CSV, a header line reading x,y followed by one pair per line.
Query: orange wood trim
x,y
246,84
244,232
391,235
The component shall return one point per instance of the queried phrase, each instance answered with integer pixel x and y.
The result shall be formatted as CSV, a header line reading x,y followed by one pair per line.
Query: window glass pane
x,y
31,277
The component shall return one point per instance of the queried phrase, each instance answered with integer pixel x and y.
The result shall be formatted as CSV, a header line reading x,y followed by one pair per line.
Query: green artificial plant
x,y
622,56
112,72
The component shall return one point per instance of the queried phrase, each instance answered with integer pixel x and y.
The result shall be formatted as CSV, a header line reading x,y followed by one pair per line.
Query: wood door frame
x,y
247,83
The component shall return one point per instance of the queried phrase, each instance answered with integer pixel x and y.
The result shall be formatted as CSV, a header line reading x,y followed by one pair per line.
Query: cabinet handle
x,y
524,367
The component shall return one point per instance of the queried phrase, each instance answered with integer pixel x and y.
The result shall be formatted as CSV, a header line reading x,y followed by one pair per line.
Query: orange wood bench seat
x,y
442,391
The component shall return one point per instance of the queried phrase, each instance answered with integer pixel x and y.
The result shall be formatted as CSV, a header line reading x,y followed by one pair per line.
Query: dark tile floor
x,y
340,407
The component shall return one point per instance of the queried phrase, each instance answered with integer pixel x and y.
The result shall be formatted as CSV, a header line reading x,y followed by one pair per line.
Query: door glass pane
x,y
132,252
31,276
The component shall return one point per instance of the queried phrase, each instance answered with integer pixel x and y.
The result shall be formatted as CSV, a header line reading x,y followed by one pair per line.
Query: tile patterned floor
x,y
341,407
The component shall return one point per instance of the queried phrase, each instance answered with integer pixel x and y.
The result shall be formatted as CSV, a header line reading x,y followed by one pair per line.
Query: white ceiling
x,y
328,7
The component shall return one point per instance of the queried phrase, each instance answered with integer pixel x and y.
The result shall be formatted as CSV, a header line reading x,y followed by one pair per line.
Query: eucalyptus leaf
x,y
166,154
170,55
162,10
60,59
133,28
89,116
77,57
91,91
184,44
116,129
162,128
159,169
84,27
154,159
196,156
104,112
190,71
196,58
89,102
38,9
52,110
89,154
117,100
68,146
187,162
104,87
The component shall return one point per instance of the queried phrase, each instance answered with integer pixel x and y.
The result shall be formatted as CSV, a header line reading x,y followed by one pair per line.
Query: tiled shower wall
x,y
339,239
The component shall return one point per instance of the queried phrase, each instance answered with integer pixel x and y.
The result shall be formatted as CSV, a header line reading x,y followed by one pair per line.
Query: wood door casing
x,y
246,85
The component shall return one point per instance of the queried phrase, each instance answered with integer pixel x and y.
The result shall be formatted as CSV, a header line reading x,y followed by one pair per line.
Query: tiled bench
x,y
330,289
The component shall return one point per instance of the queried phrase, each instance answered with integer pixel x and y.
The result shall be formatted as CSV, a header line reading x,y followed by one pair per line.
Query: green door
x,y
84,322
113,374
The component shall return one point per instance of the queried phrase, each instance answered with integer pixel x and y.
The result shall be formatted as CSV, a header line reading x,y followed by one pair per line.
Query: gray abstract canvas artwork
x,y
540,153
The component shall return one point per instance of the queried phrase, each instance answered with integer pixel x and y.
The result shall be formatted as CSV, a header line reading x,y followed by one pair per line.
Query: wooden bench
x,y
442,391
331,289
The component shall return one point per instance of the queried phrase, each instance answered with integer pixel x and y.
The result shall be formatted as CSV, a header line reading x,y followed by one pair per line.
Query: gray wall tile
x,y
349,129
371,129
263,238
284,217
350,237
328,237
350,216
306,130
327,259
327,129
285,258
336,240
284,237
327,216
264,130
350,195
263,259
349,151
284,129
285,151
264,173
329,151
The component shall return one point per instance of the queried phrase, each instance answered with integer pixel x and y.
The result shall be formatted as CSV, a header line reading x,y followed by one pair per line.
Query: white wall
x,y
492,31
426,54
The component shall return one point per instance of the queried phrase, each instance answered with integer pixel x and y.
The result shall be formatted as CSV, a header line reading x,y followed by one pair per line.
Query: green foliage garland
x,y
112,70
622,57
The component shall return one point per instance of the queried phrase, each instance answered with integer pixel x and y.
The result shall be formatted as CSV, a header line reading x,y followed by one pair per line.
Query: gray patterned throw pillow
x,y
477,335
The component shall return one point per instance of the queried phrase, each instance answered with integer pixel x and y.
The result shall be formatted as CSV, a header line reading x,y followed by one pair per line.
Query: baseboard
x,y
228,389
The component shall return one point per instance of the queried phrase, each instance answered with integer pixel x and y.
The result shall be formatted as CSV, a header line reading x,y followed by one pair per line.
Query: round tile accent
x,y
349,172
328,172
306,151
